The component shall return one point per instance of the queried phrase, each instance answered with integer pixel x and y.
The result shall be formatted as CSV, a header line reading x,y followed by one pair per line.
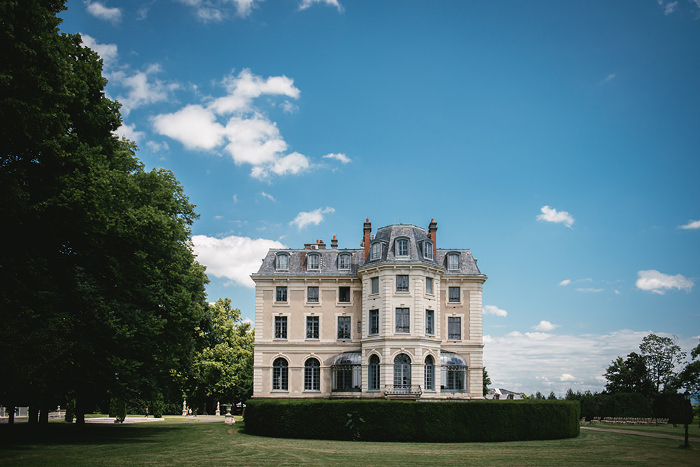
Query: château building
x,y
396,318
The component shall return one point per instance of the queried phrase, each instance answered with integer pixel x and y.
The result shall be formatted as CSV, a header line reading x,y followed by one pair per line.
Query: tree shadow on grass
x,y
24,435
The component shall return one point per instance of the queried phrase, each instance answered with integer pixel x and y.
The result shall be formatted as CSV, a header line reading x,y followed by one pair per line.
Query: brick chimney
x,y
321,245
367,239
334,242
432,231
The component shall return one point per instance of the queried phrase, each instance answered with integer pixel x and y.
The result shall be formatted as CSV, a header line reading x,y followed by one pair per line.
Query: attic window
x,y
314,262
344,261
427,250
375,251
402,247
282,262
453,261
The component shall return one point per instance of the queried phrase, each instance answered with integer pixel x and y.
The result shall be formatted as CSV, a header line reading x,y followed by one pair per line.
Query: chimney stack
x,y
432,231
334,242
367,239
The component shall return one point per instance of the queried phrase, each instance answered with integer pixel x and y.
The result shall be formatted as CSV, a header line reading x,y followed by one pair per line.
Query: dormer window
x,y
375,251
427,250
402,247
344,261
314,263
453,261
282,262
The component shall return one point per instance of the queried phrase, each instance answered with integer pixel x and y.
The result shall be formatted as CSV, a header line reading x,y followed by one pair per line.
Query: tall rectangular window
x,y
401,283
375,251
281,294
344,327
282,262
375,285
280,327
403,323
453,261
454,328
430,322
374,321
429,285
401,247
344,294
312,327
312,294
427,250
454,294
314,262
344,261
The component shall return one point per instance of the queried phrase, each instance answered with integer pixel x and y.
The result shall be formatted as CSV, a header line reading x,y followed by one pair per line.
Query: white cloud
x,y
308,3
565,282
589,290
494,310
521,363
107,52
313,217
142,88
129,132
98,10
157,147
234,258
691,225
551,215
670,8
609,78
232,121
545,326
339,157
194,126
217,10
267,196
657,282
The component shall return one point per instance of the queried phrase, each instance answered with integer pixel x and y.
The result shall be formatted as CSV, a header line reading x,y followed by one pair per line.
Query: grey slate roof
x,y
387,236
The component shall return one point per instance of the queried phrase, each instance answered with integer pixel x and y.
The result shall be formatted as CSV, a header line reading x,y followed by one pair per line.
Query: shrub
x,y
380,420
674,407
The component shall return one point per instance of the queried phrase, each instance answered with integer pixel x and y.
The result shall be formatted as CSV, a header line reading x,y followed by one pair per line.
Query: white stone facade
x,y
404,339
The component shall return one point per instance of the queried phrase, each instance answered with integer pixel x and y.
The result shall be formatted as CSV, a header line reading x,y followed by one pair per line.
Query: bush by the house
x,y
380,420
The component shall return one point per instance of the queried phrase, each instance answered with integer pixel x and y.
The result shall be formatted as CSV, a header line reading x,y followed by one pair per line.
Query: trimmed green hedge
x,y
382,420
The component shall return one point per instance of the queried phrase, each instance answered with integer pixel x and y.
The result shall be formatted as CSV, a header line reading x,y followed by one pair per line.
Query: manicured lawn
x,y
217,443
669,429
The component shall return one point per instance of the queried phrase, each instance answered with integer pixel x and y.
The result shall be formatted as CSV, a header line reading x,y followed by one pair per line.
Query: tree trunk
x,y
33,414
44,415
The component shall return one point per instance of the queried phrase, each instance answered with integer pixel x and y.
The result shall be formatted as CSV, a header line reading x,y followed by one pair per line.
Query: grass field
x,y
217,443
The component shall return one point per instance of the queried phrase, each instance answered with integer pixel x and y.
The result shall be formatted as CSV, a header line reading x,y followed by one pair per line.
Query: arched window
x,y
453,261
373,373
279,375
344,261
429,373
401,247
375,251
402,372
282,262
313,262
454,372
312,375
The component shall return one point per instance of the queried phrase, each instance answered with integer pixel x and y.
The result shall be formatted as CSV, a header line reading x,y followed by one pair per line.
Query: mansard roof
x,y
299,258
387,237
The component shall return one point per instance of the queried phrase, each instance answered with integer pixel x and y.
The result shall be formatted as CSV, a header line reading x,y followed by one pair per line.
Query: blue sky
x,y
559,141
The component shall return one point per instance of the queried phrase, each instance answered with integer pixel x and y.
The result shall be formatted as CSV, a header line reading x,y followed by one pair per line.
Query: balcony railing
x,y
392,391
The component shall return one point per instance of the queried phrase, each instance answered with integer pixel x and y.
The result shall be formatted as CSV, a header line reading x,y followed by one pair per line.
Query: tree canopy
x,y
101,290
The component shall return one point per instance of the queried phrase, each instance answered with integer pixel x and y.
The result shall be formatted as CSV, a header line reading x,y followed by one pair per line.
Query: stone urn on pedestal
x,y
228,418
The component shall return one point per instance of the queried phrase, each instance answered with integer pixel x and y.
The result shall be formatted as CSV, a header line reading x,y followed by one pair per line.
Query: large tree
x,y
629,375
101,291
223,365
689,377
662,356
